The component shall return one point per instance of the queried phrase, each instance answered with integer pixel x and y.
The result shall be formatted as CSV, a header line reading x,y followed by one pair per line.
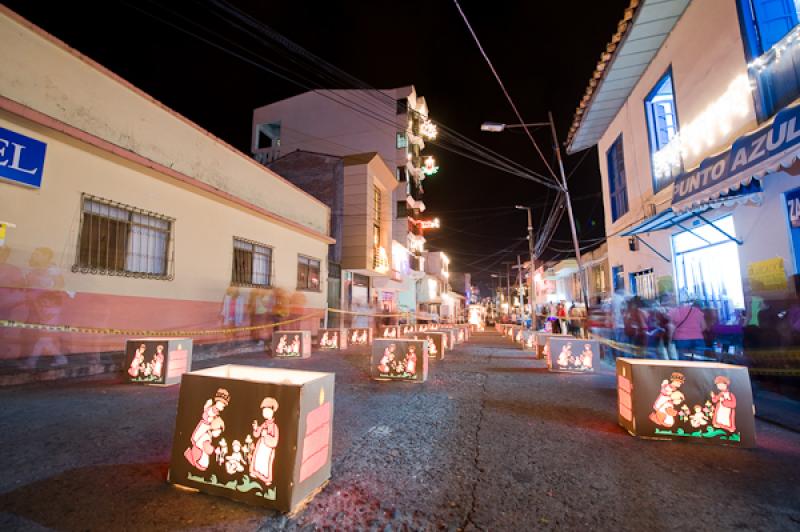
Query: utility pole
x,y
565,190
521,300
508,283
533,265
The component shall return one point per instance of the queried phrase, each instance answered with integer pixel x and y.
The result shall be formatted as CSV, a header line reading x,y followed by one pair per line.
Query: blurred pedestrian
x,y
635,324
689,322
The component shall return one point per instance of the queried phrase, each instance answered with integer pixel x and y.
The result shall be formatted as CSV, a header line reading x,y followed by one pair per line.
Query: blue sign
x,y
21,158
745,154
793,203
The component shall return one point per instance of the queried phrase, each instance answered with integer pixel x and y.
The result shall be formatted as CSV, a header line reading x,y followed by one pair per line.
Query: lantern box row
x,y
359,336
437,342
157,361
257,435
291,344
702,402
399,360
572,355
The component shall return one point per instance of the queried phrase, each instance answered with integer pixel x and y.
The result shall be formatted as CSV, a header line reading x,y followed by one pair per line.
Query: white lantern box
x,y
291,344
437,342
389,331
542,347
399,360
328,339
256,435
700,402
572,355
157,361
359,336
528,341
406,329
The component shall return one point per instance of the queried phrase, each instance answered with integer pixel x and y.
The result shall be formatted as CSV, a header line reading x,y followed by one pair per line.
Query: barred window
x,y
252,263
307,273
117,239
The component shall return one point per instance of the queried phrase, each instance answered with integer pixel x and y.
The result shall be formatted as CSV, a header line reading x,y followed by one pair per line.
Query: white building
x,y
693,111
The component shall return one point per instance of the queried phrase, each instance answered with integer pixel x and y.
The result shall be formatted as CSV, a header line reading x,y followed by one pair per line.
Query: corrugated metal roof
x,y
640,34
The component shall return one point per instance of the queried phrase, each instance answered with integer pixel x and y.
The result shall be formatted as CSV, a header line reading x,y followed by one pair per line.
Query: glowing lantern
x,y
528,341
573,355
407,329
437,342
702,402
359,336
157,360
399,360
332,339
291,344
428,129
389,331
256,435
429,166
454,336
542,347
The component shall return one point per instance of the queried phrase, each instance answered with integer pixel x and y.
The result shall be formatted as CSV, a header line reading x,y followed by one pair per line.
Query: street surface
x,y
492,442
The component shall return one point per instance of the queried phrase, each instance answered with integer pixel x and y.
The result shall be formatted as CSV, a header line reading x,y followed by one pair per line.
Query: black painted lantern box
x,y
702,402
573,355
542,346
291,344
407,329
157,360
256,435
399,360
359,336
328,339
389,331
437,342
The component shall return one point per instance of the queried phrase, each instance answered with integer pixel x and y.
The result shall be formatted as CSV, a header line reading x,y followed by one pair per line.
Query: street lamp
x,y
496,127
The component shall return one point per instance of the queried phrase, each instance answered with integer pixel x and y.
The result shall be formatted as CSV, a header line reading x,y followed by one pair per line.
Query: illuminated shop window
x,y
307,273
662,126
117,239
252,263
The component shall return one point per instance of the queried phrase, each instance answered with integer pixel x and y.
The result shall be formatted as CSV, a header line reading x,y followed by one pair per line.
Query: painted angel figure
x,y
158,361
724,416
136,363
267,434
281,347
234,462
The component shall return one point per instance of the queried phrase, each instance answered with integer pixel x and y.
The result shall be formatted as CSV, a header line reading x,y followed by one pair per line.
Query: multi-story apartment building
x,y
693,109
121,214
391,123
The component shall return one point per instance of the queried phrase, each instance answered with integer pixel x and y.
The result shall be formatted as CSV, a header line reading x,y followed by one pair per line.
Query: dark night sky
x,y
544,51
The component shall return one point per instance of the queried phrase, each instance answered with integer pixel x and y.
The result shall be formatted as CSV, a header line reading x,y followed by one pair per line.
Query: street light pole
x,y
565,189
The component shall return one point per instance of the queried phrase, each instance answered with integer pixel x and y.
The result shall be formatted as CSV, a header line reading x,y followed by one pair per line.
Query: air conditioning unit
x,y
649,210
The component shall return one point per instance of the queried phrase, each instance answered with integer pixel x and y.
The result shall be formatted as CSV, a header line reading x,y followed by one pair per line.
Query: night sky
x,y
545,53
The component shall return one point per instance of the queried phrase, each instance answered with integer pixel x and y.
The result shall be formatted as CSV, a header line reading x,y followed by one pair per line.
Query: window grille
x,y
252,263
307,273
117,239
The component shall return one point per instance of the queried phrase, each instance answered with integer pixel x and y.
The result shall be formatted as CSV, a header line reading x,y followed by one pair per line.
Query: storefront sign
x,y
21,158
767,275
742,160
793,204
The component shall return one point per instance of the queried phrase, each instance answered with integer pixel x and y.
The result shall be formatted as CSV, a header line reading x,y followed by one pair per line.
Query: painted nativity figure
x,y
136,363
267,434
209,427
724,416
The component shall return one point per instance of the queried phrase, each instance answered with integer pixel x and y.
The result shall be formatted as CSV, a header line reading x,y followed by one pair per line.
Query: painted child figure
x,y
387,361
334,341
724,416
323,342
411,360
281,347
158,361
432,351
698,419
136,363
564,355
295,347
587,356
267,434
234,462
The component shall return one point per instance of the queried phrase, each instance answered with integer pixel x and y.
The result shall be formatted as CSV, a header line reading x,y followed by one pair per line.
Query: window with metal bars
x,y
252,263
307,273
117,239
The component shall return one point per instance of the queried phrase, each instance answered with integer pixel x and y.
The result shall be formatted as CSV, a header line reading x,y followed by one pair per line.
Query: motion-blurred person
x,y
689,324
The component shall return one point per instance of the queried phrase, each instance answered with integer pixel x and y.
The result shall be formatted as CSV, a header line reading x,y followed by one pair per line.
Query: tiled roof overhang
x,y
640,34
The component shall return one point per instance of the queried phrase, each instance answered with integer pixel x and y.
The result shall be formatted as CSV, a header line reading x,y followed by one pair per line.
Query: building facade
x,y
693,112
121,214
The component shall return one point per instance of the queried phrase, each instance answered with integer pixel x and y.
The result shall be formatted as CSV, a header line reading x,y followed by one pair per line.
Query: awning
x,y
766,150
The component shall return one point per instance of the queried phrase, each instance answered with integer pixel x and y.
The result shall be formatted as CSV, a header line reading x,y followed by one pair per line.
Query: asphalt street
x,y
492,441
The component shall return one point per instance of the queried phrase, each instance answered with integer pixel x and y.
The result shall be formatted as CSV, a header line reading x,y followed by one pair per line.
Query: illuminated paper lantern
x,y
328,339
437,342
703,402
291,344
528,341
256,435
422,327
407,329
359,336
399,360
452,339
542,347
389,331
573,355
157,360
